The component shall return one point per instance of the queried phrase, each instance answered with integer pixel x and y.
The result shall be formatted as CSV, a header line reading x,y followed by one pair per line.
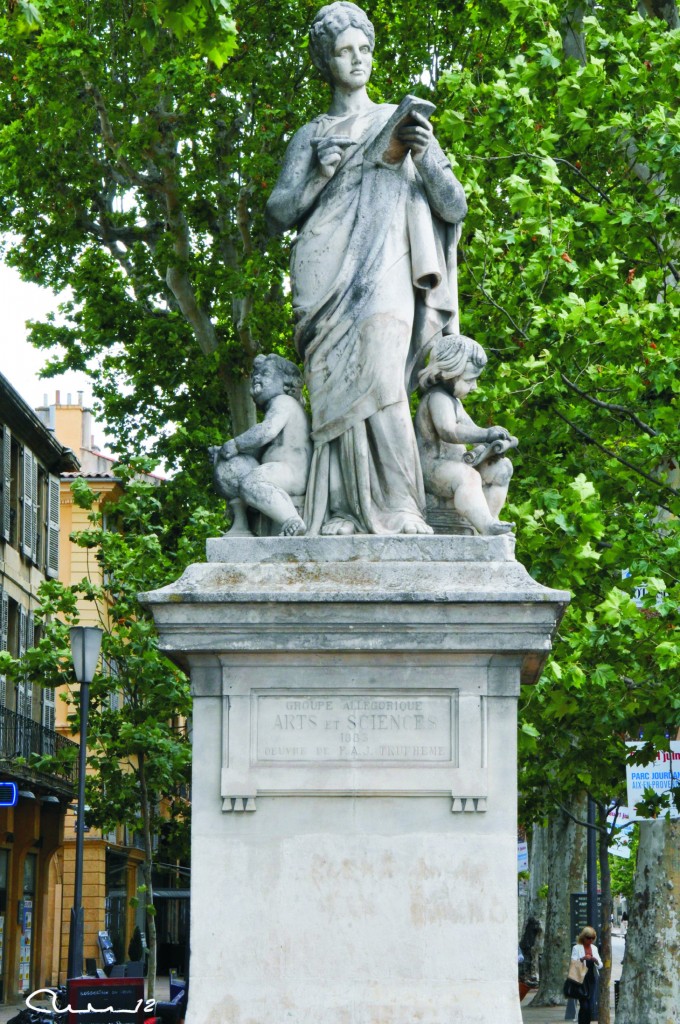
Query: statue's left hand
x,y
417,136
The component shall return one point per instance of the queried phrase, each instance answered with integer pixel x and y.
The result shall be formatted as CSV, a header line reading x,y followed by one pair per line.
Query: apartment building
x,y
33,802
112,861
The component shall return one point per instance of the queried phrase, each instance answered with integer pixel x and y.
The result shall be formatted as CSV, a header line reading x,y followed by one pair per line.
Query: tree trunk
x,y
241,406
566,866
650,983
667,10
533,917
571,30
605,936
147,871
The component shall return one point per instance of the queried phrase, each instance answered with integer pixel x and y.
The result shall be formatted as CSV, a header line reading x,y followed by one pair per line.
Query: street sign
x,y
578,914
9,794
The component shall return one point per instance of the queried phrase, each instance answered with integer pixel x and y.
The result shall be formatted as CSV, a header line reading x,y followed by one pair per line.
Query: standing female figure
x,y
375,206
585,950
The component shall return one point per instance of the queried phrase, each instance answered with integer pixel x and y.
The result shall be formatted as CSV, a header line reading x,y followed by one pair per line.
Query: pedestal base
x,y
354,791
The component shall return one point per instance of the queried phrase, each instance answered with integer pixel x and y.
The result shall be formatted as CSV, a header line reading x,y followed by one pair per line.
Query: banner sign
x,y
662,775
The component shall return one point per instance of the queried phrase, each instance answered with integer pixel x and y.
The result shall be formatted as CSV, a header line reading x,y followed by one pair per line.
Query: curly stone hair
x,y
330,21
292,377
449,356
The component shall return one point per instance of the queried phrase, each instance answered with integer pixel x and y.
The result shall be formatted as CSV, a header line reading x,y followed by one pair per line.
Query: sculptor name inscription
x,y
354,728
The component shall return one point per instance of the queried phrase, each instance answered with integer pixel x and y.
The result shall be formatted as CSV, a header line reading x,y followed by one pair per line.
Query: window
x,y
24,686
5,484
52,527
110,668
29,503
4,641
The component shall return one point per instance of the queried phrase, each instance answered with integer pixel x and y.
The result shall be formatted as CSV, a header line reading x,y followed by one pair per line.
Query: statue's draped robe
x,y
370,292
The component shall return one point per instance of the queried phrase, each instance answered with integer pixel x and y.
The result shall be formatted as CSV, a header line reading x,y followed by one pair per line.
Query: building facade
x,y
112,862
34,800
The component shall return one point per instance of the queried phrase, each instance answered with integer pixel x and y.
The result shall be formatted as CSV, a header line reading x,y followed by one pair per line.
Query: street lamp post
x,y
86,642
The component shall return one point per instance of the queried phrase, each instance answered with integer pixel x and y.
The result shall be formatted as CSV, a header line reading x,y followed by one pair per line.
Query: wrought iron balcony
x,y
23,742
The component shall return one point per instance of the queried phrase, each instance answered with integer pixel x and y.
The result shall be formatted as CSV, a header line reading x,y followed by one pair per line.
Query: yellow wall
x,y
75,563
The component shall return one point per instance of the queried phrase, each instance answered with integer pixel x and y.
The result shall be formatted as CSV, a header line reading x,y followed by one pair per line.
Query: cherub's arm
x,y
454,425
262,434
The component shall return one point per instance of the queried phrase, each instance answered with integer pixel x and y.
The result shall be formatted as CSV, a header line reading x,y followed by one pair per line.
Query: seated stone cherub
x,y
478,481
269,462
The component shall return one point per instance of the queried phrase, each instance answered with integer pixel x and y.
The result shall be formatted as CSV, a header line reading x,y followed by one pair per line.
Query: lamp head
x,y
86,642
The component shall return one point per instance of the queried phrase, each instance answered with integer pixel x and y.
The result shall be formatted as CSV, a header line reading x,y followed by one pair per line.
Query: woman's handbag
x,y
573,985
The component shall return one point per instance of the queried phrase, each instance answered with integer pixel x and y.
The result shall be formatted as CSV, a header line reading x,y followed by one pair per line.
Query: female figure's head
x,y
454,359
587,936
332,22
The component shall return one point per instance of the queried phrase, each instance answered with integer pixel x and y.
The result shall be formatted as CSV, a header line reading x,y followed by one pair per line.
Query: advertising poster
x,y
662,775
25,947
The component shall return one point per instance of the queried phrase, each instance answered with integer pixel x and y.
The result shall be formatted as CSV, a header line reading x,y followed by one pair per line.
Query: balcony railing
x,y
22,738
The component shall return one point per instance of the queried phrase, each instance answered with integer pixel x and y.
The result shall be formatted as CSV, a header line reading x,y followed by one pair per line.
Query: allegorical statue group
x,y
377,210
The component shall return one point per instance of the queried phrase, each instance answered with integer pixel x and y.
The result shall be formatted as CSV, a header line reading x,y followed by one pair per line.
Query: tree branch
x,y
151,181
619,458
493,302
611,407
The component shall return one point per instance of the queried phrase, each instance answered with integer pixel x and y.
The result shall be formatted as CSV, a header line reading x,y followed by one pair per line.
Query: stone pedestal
x,y
354,792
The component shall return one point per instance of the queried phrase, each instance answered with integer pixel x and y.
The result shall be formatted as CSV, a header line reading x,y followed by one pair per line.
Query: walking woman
x,y
585,950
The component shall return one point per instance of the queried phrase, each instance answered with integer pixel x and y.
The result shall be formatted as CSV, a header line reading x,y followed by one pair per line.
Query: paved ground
x,y
530,1014
7,1011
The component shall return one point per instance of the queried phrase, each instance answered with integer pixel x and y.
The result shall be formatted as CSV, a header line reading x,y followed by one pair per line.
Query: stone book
x,y
386,147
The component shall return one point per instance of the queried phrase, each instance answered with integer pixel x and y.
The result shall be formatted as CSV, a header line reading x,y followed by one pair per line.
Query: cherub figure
x,y
478,480
269,462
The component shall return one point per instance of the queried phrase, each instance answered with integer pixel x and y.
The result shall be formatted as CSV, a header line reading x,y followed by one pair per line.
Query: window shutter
x,y
24,687
28,517
49,708
52,560
5,483
4,639
35,536
23,622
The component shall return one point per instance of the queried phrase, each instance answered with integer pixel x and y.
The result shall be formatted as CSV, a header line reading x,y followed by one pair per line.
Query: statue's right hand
x,y
229,449
497,434
329,152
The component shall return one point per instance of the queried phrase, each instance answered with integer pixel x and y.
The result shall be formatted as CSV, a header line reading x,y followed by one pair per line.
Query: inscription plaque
x,y
313,727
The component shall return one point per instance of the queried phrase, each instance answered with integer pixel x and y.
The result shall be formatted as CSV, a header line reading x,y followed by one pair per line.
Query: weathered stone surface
x,y
354,790
266,468
377,210
474,483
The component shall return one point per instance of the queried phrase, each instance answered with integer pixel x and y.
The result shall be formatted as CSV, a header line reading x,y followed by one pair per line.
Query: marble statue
x,y
475,481
268,464
377,209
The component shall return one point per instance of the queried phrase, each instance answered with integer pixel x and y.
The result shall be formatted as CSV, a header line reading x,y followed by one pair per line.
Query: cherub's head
x,y
456,362
273,375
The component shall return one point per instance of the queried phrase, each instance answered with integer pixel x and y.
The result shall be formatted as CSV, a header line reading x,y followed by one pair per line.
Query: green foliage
x,y
623,869
205,24
568,279
135,171
138,699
